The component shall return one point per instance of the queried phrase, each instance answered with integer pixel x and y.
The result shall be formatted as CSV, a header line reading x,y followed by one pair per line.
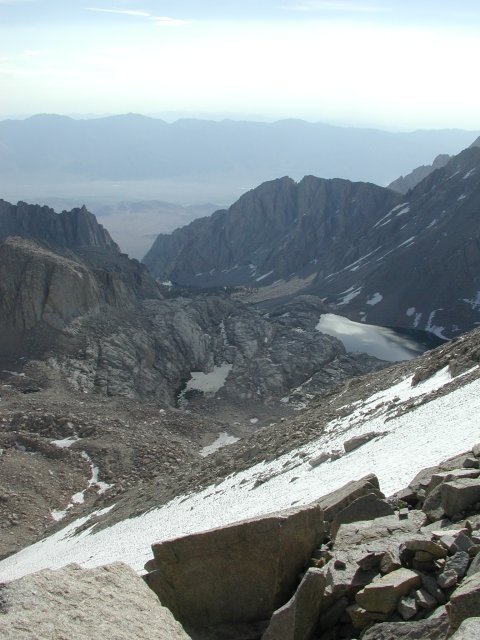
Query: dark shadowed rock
x,y
298,618
431,629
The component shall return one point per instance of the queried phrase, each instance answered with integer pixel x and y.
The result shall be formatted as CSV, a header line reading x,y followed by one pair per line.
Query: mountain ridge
x,y
348,249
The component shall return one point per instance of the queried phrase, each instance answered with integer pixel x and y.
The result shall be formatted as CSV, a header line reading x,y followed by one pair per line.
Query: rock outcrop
x,y
237,574
69,229
107,602
405,183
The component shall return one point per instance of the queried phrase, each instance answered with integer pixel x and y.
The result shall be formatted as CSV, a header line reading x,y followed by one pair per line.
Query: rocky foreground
x,y
351,565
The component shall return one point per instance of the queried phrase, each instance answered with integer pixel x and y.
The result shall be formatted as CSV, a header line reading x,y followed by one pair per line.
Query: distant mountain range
x,y
240,154
410,261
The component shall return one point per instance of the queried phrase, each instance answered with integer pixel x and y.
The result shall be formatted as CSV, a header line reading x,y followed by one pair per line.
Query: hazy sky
x,y
391,63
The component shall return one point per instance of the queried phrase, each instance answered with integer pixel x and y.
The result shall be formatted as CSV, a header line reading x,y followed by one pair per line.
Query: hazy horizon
x,y
172,117
363,63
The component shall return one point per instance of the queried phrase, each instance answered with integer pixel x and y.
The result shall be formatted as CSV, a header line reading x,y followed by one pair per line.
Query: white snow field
x,y
435,430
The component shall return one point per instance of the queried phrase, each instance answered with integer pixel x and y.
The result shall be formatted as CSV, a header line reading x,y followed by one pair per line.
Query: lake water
x,y
383,343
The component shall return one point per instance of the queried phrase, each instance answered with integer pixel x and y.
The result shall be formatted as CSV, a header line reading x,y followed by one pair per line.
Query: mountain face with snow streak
x,y
405,261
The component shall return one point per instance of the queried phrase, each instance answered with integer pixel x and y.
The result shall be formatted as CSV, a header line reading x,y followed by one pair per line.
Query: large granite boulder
x,y
81,604
239,573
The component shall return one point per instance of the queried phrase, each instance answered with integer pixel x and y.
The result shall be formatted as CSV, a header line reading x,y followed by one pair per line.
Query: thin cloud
x,y
126,12
330,5
165,21
160,21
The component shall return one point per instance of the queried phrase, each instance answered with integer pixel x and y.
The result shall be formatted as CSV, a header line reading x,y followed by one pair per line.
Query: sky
x,y
393,64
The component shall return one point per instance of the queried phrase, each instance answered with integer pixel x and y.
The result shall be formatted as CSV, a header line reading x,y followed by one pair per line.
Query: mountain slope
x,y
405,183
410,407
377,254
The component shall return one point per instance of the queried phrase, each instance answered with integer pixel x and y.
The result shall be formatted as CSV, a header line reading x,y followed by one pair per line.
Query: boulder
x,y
366,507
344,575
459,495
464,601
430,629
337,500
358,441
383,594
238,573
468,630
298,618
385,533
106,602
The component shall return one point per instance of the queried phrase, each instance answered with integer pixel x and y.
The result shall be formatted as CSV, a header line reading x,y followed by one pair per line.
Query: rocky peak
x,y
68,230
276,229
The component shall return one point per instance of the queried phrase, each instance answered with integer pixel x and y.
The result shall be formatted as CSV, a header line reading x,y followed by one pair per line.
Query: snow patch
x,y
403,206
375,299
470,173
265,275
208,382
223,440
435,329
350,294
474,302
410,311
65,443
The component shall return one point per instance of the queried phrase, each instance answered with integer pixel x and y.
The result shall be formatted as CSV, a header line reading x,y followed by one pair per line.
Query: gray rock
x,y
337,500
345,577
468,630
459,563
430,629
361,618
239,573
471,463
447,579
464,601
424,599
407,607
384,593
106,602
367,507
358,441
298,618
459,495
430,585
475,566
323,457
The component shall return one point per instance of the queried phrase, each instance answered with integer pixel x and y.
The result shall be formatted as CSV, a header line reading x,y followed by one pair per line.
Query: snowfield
x,y
422,437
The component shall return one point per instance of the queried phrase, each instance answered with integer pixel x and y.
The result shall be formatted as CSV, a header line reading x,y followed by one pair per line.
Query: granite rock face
x,y
382,257
277,229
239,573
106,602
69,229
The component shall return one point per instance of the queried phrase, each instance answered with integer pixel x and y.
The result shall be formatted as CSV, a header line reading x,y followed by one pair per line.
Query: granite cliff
x,y
381,257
